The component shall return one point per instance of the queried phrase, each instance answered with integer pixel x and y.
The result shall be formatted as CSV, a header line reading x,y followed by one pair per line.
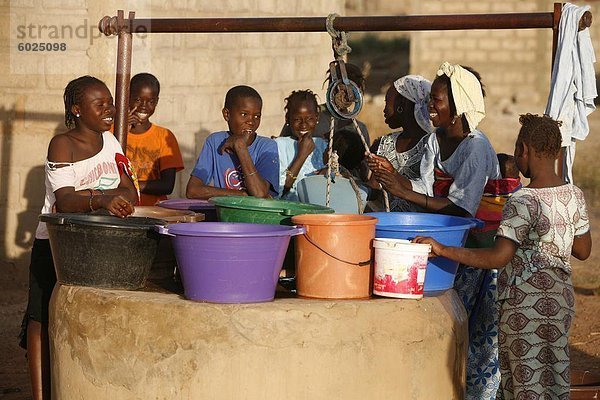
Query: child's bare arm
x,y
126,189
255,184
489,258
196,189
118,201
306,145
163,185
582,246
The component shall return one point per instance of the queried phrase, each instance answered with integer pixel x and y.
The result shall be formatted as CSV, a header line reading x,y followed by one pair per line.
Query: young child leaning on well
x,y
237,162
542,225
300,154
152,149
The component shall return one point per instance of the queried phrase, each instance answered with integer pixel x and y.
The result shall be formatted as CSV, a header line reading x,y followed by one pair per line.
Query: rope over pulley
x,y
344,99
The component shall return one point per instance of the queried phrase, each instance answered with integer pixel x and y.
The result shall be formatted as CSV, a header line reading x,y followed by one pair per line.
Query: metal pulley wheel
x,y
344,99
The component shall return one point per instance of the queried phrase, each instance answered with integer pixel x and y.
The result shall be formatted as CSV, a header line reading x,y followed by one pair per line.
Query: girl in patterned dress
x,y
542,225
401,152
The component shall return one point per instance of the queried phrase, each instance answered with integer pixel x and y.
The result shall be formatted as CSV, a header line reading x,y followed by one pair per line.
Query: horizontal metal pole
x,y
348,24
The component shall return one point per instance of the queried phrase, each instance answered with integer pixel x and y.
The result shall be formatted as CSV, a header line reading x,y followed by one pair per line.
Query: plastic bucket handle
x,y
58,221
477,222
293,231
359,264
290,212
163,230
279,210
251,207
100,220
297,230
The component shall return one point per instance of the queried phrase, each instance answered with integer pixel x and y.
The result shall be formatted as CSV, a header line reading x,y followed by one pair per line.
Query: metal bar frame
x,y
347,24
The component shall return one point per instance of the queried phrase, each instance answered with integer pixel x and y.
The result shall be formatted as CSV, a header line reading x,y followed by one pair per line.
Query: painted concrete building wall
x,y
515,63
195,71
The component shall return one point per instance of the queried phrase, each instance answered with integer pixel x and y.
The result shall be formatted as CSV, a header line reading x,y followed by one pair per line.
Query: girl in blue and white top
x,y
300,154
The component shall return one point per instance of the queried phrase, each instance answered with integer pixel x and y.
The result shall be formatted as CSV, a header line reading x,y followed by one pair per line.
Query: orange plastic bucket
x,y
333,257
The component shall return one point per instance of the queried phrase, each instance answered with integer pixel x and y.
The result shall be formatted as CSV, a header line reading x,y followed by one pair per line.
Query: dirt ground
x,y
14,380
585,333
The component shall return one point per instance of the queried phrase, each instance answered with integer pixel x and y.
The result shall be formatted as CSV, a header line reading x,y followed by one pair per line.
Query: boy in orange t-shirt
x,y
152,149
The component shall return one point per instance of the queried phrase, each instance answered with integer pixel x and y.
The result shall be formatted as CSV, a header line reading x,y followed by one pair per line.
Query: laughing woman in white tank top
x,y
82,175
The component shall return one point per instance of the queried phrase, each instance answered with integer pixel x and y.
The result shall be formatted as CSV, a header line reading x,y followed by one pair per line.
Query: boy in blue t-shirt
x,y
237,162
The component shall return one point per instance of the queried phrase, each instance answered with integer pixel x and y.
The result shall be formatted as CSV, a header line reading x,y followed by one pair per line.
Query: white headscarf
x,y
467,93
417,89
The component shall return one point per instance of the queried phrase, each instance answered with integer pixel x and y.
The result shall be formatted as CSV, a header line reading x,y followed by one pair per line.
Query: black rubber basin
x,y
102,250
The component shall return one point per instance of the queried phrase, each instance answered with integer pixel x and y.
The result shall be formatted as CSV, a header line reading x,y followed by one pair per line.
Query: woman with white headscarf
x,y
402,151
457,164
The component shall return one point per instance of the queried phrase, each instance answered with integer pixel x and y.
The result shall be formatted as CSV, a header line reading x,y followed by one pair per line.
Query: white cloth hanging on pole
x,y
573,85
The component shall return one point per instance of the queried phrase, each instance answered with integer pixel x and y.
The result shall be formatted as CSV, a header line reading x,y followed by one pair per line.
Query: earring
x,y
399,110
454,120
77,115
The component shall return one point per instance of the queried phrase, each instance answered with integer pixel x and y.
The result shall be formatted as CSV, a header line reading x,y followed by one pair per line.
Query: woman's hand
x,y
392,182
378,163
117,205
436,247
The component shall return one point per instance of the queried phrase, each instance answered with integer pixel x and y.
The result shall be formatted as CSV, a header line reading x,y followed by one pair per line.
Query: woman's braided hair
x,y
73,94
541,133
298,96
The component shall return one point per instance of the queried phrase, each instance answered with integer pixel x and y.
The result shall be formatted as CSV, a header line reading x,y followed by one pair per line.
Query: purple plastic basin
x,y
229,262
200,206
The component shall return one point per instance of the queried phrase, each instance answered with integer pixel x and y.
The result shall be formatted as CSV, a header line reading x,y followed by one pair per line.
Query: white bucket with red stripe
x,y
400,267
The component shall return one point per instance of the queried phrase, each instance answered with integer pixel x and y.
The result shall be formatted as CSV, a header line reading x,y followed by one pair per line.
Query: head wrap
x,y
467,93
417,89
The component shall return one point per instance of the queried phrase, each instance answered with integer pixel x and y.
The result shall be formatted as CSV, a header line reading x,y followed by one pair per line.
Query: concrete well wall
x,y
111,344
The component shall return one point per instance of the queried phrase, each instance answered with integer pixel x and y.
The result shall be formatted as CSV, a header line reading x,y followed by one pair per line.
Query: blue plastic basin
x,y
446,229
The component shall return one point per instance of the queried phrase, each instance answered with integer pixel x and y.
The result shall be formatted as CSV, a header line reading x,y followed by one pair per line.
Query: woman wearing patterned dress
x,y
457,164
401,152
542,225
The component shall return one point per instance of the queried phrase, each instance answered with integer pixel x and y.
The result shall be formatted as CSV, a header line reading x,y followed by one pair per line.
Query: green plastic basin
x,y
263,211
